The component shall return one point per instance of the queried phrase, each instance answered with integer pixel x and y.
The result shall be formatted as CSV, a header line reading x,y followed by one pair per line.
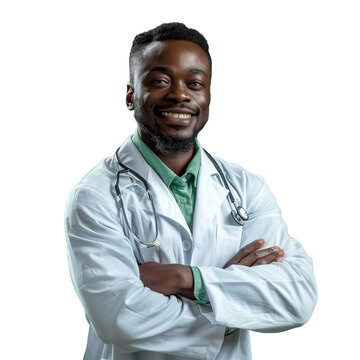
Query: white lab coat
x,y
129,321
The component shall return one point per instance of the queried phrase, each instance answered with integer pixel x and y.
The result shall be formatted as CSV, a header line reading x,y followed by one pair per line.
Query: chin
x,y
175,140
176,131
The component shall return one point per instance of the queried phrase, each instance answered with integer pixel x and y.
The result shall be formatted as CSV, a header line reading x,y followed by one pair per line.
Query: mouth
x,y
176,116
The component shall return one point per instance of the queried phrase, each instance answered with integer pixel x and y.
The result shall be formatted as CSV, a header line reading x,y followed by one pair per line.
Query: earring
x,y
130,106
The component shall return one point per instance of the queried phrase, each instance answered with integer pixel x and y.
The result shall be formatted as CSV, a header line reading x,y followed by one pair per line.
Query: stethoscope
x,y
238,213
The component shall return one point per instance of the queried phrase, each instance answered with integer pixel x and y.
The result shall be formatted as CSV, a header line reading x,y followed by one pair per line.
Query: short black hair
x,y
166,31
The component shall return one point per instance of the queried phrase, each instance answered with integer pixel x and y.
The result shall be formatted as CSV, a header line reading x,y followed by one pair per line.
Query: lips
x,y
177,115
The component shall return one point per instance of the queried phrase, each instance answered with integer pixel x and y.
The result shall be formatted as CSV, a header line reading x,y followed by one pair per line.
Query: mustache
x,y
178,106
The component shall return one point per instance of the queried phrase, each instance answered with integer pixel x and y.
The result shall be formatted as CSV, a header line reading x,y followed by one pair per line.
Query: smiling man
x,y
175,254
169,121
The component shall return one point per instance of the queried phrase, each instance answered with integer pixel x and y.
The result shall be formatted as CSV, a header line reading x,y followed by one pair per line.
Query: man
x,y
211,279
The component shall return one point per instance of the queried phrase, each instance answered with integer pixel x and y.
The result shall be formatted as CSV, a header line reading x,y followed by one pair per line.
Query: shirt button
x,y
187,245
203,297
183,200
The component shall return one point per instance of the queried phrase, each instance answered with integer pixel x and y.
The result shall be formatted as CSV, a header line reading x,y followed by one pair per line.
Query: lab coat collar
x,y
164,202
210,194
130,156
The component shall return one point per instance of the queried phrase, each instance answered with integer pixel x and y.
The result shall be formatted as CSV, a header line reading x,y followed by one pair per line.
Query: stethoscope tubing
x,y
239,214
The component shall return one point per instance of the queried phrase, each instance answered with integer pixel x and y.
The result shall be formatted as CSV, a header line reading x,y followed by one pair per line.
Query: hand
x,y
168,279
250,255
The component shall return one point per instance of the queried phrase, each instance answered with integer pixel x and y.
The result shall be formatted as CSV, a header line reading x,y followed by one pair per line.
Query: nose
x,y
178,92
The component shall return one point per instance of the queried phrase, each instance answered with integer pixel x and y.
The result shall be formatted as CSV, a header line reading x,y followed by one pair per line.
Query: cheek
x,y
204,100
204,104
141,108
146,100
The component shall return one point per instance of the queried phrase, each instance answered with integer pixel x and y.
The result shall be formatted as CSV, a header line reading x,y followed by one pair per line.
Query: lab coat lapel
x,y
130,156
164,202
210,194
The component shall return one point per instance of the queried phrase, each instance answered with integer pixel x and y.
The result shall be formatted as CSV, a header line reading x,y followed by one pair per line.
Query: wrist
x,y
185,283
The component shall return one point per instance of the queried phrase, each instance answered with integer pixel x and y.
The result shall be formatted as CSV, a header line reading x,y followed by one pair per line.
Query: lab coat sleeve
x,y
122,311
265,298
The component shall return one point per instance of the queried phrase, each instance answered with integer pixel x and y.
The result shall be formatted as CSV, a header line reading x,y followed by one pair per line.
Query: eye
x,y
160,82
196,84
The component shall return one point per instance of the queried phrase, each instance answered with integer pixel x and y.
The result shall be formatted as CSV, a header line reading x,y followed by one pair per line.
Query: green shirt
x,y
184,191
182,188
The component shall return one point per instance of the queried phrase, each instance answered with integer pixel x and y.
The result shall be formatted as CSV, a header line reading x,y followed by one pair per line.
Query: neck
x,y
177,162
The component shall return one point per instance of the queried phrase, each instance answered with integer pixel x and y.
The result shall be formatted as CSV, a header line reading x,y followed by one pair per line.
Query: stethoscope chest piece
x,y
240,215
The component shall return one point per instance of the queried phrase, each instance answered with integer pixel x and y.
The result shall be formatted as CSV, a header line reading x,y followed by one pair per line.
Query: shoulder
x,y
239,173
100,176
96,186
251,189
241,178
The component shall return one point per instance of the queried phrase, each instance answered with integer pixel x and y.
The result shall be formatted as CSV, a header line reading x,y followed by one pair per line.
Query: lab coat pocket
x,y
228,243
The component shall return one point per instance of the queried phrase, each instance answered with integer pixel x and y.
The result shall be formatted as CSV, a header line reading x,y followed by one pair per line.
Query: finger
x,y
259,255
267,259
281,255
245,251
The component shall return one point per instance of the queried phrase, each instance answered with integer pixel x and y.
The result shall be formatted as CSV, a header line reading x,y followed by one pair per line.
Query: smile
x,y
176,115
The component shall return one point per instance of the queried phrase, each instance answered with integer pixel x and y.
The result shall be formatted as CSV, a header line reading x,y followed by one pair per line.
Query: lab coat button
x,y
186,245
183,200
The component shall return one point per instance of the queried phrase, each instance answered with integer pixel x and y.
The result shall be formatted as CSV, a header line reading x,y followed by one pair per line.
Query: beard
x,y
168,145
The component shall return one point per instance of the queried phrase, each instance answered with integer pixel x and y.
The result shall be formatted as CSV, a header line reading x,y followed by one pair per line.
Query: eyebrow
x,y
169,70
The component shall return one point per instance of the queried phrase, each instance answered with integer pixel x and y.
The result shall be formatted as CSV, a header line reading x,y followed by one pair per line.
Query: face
x,y
171,94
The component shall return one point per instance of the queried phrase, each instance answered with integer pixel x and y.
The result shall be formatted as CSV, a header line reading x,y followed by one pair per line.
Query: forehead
x,y
176,54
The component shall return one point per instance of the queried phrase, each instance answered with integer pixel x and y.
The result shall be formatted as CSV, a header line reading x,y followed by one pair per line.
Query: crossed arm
x,y
104,271
177,279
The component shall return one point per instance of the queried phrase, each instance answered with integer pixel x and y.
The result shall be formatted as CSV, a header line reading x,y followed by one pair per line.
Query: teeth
x,y
176,115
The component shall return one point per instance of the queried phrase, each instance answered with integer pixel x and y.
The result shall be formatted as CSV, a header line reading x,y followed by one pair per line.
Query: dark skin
x,y
172,77
171,91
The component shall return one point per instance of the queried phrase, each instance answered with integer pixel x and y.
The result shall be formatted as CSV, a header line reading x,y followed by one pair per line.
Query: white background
x,y
285,104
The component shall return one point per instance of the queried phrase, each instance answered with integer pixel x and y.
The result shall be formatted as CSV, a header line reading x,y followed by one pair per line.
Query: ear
x,y
129,97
